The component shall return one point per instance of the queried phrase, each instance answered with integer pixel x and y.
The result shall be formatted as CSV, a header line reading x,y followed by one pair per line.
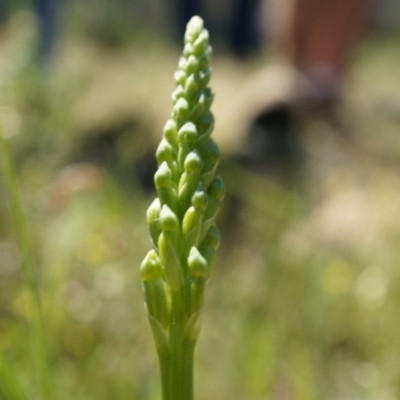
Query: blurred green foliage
x,y
304,300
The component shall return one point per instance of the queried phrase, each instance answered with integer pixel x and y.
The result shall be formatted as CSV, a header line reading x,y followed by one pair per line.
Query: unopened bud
x,y
193,163
181,109
198,268
168,220
151,268
165,152
188,133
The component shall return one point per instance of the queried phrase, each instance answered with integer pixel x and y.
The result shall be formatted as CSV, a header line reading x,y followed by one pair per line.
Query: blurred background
x,y
303,303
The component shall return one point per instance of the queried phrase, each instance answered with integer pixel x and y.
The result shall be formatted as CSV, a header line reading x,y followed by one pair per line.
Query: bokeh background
x,y
304,301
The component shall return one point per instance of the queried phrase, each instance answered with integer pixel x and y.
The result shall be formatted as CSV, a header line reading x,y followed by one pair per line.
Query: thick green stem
x,y
176,339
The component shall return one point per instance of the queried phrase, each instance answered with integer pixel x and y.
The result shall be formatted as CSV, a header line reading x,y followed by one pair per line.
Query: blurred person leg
x,y
320,38
244,36
46,12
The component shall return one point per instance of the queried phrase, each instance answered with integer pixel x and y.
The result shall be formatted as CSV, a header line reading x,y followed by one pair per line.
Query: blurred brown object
x,y
319,39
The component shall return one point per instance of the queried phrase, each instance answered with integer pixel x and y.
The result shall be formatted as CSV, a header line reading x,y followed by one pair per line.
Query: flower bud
x,y
181,110
199,200
217,189
163,176
180,77
168,220
170,259
190,220
201,43
206,123
165,152
170,132
151,268
198,268
193,29
209,255
178,93
205,58
198,110
191,87
188,49
191,65
193,163
164,185
212,238
204,79
181,62
153,215
188,133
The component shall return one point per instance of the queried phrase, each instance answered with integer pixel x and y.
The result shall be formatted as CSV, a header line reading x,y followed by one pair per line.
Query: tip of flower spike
x,y
194,28
151,268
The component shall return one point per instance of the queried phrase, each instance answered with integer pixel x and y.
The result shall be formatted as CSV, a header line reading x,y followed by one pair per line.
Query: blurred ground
x,y
304,300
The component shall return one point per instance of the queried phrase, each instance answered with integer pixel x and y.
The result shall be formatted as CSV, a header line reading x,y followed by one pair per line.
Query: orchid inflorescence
x,y
182,218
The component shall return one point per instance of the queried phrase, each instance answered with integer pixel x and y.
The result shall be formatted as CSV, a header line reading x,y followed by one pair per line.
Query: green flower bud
x,y
204,79
191,220
191,87
193,163
209,255
178,93
157,301
168,220
191,65
188,133
188,49
198,110
155,288
165,152
171,261
212,238
206,123
205,58
198,268
199,199
153,216
211,158
189,179
181,62
208,96
163,176
217,189
151,268
193,29
201,43
170,133
164,185
181,110
191,228
180,77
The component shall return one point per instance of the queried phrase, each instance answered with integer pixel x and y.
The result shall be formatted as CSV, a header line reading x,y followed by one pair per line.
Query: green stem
x,y
40,357
188,370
